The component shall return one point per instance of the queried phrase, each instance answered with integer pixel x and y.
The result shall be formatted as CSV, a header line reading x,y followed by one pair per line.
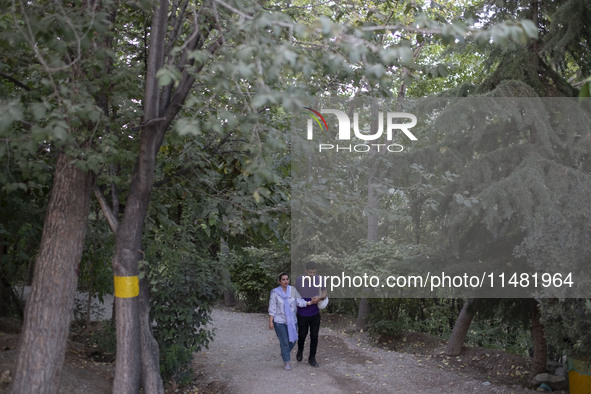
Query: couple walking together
x,y
290,306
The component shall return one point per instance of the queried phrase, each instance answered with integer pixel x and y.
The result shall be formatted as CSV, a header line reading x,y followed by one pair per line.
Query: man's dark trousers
x,y
313,322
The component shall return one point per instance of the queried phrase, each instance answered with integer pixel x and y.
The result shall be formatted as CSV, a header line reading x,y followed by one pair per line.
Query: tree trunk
x,y
131,339
372,236
48,310
539,339
151,379
229,297
363,313
458,335
136,347
128,360
128,253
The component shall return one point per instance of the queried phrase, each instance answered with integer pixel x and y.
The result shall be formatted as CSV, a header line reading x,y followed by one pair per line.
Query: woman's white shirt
x,y
276,308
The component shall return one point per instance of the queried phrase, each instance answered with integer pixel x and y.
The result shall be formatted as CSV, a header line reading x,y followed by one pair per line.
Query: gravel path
x,y
245,358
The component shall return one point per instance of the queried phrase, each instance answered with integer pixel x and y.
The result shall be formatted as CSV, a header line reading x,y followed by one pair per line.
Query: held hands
x,y
315,300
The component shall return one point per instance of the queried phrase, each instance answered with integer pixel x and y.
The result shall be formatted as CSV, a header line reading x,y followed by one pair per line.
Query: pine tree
x,y
534,175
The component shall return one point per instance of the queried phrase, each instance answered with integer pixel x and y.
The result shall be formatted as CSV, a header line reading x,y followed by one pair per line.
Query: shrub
x,y
254,273
183,289
567,324
104,339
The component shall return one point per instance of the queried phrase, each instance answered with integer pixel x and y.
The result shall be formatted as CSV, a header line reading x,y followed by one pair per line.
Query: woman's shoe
x,y
287,367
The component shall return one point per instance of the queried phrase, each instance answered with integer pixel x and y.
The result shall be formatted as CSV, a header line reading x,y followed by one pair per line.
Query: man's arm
x,y
300,302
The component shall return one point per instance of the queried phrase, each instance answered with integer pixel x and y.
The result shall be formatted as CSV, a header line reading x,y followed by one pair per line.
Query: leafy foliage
x,y
567,324
95,275
393,317
254,273
183,289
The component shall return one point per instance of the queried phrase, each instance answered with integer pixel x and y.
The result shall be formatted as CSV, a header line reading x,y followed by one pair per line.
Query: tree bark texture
x,y
128,252
137,350
130,337
539,339
48,311
458,335
363,313
151,379
229,297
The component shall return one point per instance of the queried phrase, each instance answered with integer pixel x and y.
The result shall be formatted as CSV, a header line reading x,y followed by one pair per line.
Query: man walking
x,y
311,289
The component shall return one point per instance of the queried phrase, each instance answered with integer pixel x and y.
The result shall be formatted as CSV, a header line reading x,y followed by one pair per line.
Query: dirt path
x,y
245,358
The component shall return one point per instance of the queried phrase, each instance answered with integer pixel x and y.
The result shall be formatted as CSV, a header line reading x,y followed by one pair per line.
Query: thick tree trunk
x,y
363,313
539,339
458,335
49,306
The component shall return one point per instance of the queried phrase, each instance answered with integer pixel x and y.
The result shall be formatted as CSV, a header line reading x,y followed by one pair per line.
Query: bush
x,y
567,324
104,339
392,317
183,290
388,328
254,274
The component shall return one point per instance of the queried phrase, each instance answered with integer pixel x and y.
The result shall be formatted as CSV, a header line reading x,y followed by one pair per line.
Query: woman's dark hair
x,y
281,275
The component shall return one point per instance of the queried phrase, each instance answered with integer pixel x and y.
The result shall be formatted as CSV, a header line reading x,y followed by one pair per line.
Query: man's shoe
x,y
287,367
313,362
299,356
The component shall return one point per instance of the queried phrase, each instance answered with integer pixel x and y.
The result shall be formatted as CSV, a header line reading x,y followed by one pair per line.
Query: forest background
x,y
149,140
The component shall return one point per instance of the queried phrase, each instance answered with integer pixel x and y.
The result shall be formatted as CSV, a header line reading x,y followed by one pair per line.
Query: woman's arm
x,y
272,309
299,300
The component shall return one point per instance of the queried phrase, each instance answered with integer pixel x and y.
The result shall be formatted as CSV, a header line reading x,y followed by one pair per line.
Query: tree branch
x,y
155,61
111,218
181,92
15,81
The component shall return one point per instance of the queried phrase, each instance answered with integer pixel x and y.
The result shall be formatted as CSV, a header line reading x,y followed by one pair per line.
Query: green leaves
x,y
517,32
12,111
253,272
167,75
186,126
530,29
585,90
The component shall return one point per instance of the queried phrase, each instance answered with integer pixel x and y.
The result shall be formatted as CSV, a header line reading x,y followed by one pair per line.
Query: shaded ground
x,y
244,358
81,374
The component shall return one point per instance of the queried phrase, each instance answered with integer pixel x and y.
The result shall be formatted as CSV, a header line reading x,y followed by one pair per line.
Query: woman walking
x,y
282,315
